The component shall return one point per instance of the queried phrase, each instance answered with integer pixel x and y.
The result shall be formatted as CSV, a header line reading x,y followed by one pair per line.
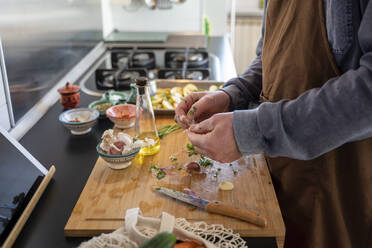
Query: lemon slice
x,y
176,99
226,186
157,99
213,88
176,91
167,105
189,88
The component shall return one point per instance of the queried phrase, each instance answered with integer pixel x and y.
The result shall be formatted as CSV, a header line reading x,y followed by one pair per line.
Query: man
x,y
313,78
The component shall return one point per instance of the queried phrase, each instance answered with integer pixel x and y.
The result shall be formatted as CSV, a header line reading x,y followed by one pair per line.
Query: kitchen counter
x,y
74,158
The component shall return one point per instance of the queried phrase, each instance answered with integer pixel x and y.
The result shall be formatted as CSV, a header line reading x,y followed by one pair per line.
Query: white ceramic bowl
x,y
123,115
117,162
79,120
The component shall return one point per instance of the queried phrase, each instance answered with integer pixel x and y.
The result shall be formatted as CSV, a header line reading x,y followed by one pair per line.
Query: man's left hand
x,y
214,138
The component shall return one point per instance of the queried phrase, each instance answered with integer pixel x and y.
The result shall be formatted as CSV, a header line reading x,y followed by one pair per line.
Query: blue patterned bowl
x,y
79,120
117,162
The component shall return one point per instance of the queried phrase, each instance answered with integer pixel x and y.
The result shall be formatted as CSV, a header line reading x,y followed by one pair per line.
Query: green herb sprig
x,y
160,174
204,162
191,150
167,129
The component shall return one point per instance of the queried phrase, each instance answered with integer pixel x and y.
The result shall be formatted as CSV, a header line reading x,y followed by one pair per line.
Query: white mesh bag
x,y
139,229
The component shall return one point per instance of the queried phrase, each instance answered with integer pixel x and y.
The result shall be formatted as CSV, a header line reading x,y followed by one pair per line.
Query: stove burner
x,y
195,59
119,58
129,63
137,59
191,74
113,79
143,60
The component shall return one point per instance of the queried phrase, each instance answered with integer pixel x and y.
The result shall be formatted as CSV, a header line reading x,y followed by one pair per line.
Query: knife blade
x,y
216,207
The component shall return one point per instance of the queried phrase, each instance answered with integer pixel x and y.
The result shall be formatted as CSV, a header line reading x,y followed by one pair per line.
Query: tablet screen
x,y
19,179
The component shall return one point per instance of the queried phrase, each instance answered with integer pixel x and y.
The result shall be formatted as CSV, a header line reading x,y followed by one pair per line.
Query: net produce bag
x,y
139,229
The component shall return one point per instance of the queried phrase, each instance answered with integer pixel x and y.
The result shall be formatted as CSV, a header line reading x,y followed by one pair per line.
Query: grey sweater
x,y
321,119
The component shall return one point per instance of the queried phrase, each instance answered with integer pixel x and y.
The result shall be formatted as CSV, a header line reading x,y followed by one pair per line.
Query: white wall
x,y
186,17
246,7
216,12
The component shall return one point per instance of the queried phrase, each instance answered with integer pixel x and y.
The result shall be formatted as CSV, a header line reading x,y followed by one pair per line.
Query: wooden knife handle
x,y
242,214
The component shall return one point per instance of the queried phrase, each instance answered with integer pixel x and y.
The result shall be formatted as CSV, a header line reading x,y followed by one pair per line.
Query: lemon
x,y
189,88
176,99
157,99
176,91
213,88
167,105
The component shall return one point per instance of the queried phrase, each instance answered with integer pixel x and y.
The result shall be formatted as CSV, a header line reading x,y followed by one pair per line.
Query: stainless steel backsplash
x,y
43,40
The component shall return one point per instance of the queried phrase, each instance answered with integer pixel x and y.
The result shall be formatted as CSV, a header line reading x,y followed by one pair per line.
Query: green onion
x,y
167,129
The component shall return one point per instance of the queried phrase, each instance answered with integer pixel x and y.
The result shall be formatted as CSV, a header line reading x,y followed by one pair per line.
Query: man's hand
x,y
214,138
199,106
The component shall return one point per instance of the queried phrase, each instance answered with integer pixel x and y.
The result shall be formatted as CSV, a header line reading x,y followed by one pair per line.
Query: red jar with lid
x,y
70,96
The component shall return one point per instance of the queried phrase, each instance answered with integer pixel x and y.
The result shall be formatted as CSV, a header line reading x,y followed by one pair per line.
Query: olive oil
x,y
145,119
149,150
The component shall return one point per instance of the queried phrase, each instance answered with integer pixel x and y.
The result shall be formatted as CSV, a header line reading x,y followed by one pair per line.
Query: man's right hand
x,y
199,106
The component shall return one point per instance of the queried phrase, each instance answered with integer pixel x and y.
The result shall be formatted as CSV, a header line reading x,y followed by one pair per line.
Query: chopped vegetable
x,y
189,244
189,88
153,167
191,150
226,186
169,98
193,167
205,162
159,173
161,240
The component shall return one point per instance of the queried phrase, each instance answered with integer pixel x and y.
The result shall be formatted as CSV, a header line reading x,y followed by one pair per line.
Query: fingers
x,y
184,107
201,108
203,127
180,115
203,152
198,141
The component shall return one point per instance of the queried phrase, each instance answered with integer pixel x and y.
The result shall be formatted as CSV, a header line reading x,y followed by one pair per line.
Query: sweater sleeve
x,y
319,120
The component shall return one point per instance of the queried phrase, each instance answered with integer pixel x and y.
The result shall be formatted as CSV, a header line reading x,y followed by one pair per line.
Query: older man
x,y
313,79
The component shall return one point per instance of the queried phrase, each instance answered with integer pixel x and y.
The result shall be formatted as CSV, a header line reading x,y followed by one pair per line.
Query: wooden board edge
x,y
87,233
280,241
281,230
67,229
29,208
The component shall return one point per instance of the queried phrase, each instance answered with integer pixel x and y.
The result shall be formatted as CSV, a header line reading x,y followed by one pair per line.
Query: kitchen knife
x,y
215,206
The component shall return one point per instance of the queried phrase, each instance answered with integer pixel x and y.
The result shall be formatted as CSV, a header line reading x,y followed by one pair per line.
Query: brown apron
x,y
327,201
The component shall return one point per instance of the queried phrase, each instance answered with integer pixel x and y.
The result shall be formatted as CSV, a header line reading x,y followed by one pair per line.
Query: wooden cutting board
x,y
109,193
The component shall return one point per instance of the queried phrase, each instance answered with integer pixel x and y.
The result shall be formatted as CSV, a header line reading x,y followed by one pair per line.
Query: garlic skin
x,y
109,138
124,138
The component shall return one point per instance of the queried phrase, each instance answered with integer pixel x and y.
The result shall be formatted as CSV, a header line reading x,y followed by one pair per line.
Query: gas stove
x,y
124,65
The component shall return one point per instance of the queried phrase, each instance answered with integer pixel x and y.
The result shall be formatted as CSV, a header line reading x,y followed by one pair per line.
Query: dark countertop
x,y
74,158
